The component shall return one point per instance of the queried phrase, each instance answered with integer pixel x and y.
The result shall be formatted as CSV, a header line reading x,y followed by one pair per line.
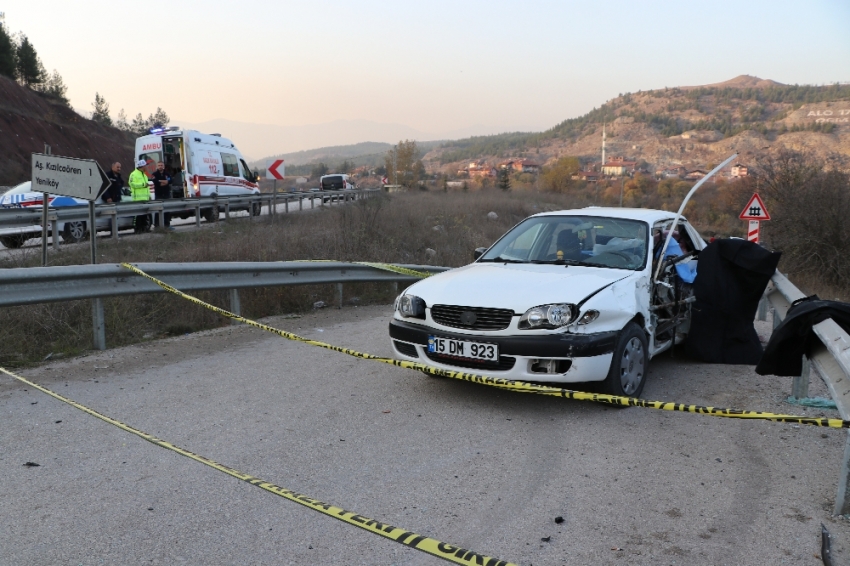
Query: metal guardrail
x,y
831,359
26,217
35,285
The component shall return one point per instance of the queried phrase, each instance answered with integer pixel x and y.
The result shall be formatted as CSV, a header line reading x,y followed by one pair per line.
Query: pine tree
x,y
54,87
121,123
101,110
8,55
504,180
139,125
30,70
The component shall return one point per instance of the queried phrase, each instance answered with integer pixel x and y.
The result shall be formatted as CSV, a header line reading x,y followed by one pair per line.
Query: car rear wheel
x,y
13,241
627,375
74,232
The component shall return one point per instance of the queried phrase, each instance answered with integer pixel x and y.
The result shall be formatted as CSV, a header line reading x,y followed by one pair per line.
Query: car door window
x,y
230,164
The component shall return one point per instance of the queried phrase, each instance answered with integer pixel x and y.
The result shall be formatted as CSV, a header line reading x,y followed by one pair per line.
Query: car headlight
x,y
411,306
547,316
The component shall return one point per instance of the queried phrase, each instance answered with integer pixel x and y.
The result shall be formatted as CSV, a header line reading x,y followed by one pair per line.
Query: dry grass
x,y
397,228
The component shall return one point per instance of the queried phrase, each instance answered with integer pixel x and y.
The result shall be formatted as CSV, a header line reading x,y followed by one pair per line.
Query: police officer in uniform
x,y
140,193
162,191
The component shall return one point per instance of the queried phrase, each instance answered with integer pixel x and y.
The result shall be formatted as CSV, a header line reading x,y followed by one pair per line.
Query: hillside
x,y
29,120
690,126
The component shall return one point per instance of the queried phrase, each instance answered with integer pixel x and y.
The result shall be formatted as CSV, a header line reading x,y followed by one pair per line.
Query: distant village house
x,y
520,165
739,171
618,167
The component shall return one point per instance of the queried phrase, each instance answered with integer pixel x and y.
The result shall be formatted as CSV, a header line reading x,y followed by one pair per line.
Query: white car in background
x,y
563,297
22,196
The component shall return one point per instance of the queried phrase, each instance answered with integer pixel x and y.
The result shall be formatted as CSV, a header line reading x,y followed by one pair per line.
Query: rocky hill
x,y
29,120
690,126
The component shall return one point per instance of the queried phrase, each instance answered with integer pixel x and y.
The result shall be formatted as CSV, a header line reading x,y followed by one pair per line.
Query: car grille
x,y
504,364
485,319
406,349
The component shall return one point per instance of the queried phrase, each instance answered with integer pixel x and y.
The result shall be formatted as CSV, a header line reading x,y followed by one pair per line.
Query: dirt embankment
x,y
29,120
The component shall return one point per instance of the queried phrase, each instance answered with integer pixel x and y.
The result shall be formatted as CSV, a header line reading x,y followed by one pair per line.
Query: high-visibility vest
x,y
139,185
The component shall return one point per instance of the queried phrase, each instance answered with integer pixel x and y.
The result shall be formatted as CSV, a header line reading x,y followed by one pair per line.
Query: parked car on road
x,y
22,196
563,297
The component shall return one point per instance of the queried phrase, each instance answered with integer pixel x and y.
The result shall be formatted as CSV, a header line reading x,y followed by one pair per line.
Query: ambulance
x,y
200,165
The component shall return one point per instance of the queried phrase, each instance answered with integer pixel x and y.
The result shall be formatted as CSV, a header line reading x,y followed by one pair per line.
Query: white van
x,y
200,165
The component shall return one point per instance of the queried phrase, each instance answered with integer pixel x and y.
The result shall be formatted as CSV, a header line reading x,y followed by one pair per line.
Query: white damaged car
x,y
564,297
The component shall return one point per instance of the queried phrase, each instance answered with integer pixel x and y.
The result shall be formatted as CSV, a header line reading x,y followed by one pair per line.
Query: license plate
x,y
463,349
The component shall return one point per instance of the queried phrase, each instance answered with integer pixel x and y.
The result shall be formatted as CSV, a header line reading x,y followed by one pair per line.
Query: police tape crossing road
x,y
429,545
507,384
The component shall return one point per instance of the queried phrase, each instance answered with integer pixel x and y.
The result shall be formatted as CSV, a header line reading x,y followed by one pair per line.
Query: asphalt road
x,y
473,466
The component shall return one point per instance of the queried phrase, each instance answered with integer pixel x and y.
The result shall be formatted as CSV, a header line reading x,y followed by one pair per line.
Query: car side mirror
x,y
478,253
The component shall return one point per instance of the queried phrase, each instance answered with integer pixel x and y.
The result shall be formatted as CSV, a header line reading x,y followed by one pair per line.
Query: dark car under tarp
x,y
731,279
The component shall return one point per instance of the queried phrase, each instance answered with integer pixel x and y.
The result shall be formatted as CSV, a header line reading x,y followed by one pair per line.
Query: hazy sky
x,y
432,65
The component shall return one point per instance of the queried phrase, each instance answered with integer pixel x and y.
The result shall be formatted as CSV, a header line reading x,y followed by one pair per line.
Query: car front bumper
x,y
578,357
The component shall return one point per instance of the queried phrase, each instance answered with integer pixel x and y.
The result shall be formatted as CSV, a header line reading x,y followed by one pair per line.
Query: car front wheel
x,y
627,375
74,232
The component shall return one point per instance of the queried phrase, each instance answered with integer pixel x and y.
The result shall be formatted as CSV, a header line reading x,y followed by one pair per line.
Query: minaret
x,y
603,144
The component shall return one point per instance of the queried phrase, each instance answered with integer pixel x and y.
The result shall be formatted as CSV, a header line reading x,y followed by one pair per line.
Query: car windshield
x,y
574,240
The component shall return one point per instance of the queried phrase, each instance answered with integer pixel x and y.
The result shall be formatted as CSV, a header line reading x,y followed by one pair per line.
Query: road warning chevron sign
x,y
755,209
274,169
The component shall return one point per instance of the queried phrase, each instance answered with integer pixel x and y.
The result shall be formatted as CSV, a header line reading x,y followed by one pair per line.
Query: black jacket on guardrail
x,y
731,279
783,355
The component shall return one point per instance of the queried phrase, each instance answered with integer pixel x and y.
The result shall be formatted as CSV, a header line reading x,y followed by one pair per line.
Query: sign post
x,y
44,200
71,177
275,170
754,212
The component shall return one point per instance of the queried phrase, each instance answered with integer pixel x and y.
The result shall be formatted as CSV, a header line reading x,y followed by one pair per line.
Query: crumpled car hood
x,y
515,286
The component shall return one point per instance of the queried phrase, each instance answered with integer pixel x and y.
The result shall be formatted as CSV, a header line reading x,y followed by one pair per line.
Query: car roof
x,y
644,214
25,187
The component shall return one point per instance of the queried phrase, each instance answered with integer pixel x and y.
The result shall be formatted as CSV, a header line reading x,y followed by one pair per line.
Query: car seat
x,y
569,243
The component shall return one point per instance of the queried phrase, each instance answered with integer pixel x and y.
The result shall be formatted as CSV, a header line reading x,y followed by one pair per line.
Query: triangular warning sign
x,y
755,210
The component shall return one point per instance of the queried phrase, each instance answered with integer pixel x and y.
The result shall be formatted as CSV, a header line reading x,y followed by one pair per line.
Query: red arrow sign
x,y
275,169
755,209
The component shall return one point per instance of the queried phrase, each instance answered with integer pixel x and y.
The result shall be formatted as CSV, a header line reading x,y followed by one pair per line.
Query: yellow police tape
x,y
429,545
385,266
517,386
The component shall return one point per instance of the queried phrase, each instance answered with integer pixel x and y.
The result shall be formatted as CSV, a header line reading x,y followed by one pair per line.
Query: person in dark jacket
x,y
162,191
112,194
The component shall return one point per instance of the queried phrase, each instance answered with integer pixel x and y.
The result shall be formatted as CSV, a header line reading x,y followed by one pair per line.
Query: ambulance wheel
x,y
74,232
256,208
210,214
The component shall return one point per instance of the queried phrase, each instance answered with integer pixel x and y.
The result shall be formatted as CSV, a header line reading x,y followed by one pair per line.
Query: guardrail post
x,y
300,203
98,324
54,230
286,205
114,223
776,319
197,215
235,306
800,385
339,293
226,209
842,500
